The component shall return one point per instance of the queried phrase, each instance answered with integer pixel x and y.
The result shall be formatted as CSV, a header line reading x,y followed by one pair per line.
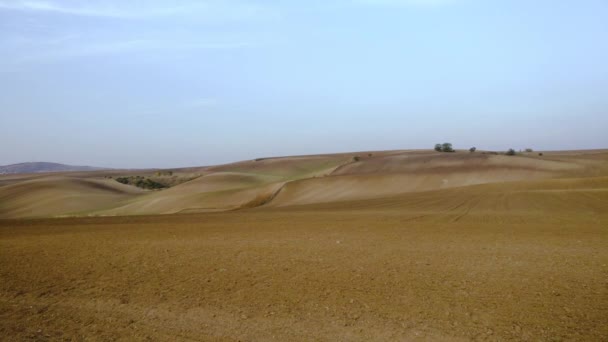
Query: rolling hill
x,y
290,181
39,167
374,246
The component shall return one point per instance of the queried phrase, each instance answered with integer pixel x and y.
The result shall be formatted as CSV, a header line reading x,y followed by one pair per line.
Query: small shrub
x,y
369,155
540,154
511,152
141,182
123,180
473,149
356,158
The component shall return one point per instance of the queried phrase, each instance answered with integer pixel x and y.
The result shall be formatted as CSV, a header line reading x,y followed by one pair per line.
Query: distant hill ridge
x,y
39,167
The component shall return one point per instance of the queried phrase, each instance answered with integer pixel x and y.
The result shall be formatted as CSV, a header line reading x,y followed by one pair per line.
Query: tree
x,y
511,152
445,147
473,149
529,150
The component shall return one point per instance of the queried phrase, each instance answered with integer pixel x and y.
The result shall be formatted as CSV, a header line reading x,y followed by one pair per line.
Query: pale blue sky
x,y
182,83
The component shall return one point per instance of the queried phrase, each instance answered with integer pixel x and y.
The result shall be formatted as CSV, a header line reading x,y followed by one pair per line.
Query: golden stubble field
x,y
517,260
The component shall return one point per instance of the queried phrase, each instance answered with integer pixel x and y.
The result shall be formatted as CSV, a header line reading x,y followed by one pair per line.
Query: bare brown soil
x,y
381,270
339,257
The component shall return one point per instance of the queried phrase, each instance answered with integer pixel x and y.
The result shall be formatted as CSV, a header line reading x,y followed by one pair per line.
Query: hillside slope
x,y
291,181
60,195
415,172
38,167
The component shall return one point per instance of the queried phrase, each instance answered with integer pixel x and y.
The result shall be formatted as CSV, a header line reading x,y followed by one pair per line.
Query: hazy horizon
x,y
274,156
163,84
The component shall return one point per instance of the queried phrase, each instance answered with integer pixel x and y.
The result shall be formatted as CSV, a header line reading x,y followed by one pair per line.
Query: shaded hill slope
x,y
56,196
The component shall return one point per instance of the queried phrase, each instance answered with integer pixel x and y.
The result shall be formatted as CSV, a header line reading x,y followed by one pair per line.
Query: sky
x,y
138,84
